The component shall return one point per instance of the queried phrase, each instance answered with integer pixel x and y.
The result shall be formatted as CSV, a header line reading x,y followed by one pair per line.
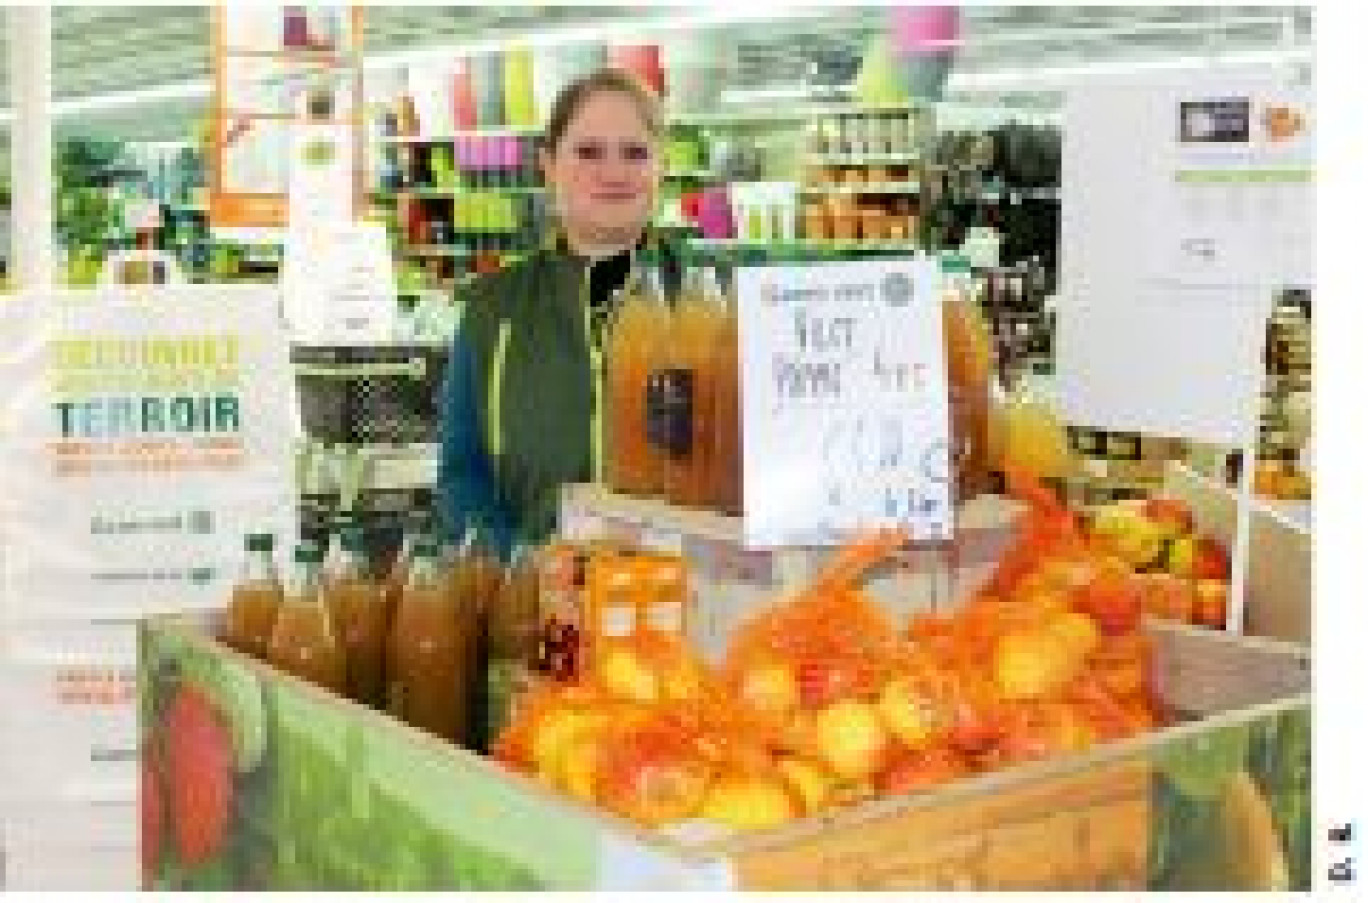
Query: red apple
x,y
1171,514
1210,598
1113,601
1210,561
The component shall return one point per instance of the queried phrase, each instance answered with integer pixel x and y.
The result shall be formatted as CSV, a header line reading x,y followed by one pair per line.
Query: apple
x,y
1210,600
1172,516
1125,531
851,739
1033,664
1112,599
578,764
909,715
749,803
1166,596
653,781
812,783
556,730
771,689
1078,631
625,675
683,681
920,770
1210,561
1182,556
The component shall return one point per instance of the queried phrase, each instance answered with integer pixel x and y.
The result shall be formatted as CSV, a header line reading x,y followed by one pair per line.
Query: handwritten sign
x,y
845,401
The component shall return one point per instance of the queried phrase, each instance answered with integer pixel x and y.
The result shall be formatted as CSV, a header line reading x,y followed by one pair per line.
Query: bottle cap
x,y
260,542
425,548
353,538
308,553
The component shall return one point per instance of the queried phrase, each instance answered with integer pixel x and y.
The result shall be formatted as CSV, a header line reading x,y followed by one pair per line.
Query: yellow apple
x,y
577,765
625,675
1032,664
1078,631
851,739
813,783
771,689
748,803
557,730
907,715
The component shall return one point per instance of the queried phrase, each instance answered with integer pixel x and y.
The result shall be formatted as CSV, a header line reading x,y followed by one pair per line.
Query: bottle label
x,y
669,411
617,621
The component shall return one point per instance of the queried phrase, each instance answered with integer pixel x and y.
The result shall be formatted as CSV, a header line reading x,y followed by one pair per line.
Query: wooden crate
x,y
1087,822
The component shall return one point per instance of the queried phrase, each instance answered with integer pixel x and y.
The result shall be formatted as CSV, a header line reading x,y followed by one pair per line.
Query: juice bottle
x,y
356,601
512,625
256,599
304,642
477,582
727,460
415,527
634,466
429,656
688,399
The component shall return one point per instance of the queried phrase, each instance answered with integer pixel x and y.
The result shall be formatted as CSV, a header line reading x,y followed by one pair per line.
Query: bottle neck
x,y
304,588
259,567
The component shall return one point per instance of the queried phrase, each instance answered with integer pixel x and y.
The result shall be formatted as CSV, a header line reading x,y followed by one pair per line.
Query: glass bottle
x,y
256,599
688,397
356,600
635,347
304,642
728,456
428,653
512,626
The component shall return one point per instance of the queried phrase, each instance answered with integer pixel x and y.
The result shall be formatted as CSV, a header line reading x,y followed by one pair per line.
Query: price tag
x,y
845,402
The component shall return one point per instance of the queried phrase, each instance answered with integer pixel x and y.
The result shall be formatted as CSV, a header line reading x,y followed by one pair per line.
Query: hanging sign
x,y
845,402
1187,205
145,432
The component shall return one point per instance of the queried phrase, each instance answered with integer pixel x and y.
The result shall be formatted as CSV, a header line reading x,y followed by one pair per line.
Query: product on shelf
x,y
728,463
684,427
356,601
512,627
256,599
305,642
825,701
431,651
636,345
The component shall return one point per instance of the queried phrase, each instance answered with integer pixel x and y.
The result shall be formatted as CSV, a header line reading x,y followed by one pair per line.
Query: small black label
x,y
669,411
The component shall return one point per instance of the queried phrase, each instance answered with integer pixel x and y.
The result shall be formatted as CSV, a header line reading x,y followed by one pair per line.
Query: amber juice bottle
x,y
256,599
429,655
304,642
356,600
727,460
690,398
634,348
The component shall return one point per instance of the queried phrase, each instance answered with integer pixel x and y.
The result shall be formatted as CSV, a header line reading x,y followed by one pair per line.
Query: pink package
x,y
924,29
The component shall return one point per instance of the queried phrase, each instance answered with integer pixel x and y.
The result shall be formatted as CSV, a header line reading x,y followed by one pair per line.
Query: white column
x,y
30,79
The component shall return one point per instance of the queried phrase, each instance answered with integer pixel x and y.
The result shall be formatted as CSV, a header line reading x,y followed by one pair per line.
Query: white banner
x,y
845,401
144,434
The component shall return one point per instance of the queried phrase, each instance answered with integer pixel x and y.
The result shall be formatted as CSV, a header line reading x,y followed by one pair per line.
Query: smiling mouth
x,y
615,197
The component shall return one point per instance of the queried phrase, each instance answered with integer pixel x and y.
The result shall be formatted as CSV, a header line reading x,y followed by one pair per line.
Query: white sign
x,y
321,175
1187,205
1199,179
845,402
338,284
144,433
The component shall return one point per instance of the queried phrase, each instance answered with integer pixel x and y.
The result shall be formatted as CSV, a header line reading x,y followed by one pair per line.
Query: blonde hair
x,y
576,94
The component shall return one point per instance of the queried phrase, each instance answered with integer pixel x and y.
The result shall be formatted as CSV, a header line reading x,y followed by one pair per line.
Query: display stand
x,y
331,795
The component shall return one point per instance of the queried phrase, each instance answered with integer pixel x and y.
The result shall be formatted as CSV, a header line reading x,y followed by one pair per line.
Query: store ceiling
x,y
98,50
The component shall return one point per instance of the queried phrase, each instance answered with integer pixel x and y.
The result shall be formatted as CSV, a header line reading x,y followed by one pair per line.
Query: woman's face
x,y
605,171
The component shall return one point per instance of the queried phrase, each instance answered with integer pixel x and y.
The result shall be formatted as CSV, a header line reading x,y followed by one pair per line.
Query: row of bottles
x,y
471,164
439,641
673,394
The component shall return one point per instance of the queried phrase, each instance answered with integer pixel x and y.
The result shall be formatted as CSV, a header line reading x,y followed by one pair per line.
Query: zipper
x,y
596,369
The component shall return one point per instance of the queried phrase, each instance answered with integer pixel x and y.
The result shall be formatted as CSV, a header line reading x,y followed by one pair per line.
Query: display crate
x,y
328,795
1278,585
730,580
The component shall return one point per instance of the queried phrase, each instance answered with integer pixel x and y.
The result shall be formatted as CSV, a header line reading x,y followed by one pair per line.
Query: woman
x,y
523,392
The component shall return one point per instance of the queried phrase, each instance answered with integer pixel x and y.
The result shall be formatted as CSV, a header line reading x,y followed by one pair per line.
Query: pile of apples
x,y
823,701
1182,576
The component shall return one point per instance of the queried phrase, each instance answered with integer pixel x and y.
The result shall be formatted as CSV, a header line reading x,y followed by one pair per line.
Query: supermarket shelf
x,y
524,132
994,195
453,191
784,113
435,251
298,54
865,159
806,244
869,188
